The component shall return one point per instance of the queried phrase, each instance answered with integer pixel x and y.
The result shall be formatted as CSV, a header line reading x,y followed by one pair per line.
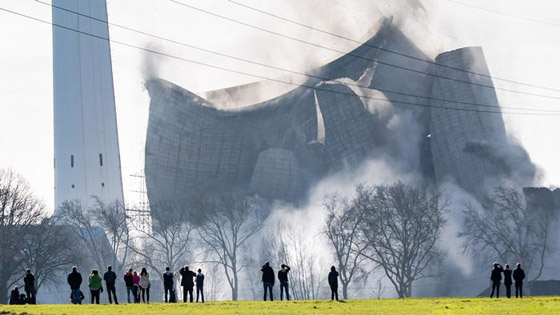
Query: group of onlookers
x,y
268,281
496,277
138,285
17,297
188,280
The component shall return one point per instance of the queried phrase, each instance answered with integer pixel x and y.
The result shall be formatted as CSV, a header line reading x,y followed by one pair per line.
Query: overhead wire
x,y
428,61
345,53
519,17
373,88
316,88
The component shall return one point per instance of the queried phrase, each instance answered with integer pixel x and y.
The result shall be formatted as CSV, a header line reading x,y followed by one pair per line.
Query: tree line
x,y
395,229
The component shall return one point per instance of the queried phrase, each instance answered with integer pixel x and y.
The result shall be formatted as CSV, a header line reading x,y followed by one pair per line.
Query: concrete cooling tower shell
x,y
279,148
192,147
471,147
276,148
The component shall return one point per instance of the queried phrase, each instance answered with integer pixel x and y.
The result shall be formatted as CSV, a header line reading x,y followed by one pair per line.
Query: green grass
x,y
526,306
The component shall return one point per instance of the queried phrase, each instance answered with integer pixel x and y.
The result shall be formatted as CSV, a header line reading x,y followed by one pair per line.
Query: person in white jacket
x,y
145,285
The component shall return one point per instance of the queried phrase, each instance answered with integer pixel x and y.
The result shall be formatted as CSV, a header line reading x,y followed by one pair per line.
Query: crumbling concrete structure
x,y
279,148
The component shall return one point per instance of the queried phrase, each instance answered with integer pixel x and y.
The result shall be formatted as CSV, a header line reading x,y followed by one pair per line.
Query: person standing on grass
x,y
507,281
145,285
199,285
187,282
518,276
267,279
129,283
496,278
75,281
95,286
333,283
110,277
136,286
283,278
168,283
29,280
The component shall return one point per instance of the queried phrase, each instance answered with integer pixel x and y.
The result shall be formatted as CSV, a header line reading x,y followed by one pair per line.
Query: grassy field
x,y
527,306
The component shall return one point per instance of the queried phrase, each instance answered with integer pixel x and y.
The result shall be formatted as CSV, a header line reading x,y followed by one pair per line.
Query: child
x,y
78,298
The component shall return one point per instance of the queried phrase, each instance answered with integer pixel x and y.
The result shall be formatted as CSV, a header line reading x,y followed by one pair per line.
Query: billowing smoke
x,y
400,155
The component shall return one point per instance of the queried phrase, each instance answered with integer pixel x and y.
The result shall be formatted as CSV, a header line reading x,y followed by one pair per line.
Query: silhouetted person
x,y
145,285
333,283
129,283
80,296
507,281
267,279
187,282
22,299
496,278
283,278
199,285
95,286
136,286
168,282
14,296
518,276
110,277
29,280
75,281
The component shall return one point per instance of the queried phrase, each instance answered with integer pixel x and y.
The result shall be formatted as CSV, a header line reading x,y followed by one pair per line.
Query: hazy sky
x,y
519,49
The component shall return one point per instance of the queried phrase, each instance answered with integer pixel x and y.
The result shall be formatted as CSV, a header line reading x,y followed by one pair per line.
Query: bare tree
x,y
230,220
87,232
113,219
19,212
166,240
379,290
290,247
342,228
507,228
48,251
402,225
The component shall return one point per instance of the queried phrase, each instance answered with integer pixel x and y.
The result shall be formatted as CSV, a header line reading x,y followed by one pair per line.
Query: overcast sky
x,y
522,44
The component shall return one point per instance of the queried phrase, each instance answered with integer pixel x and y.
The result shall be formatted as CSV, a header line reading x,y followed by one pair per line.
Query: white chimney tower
x,y
86,146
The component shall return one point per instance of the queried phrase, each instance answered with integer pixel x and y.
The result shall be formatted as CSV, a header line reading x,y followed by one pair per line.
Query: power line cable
x,y
288,70
267,78
389,50
519,17
361,57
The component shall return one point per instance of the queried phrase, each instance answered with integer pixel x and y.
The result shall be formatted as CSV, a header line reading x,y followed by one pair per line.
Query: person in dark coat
x,y
267,279
496,278
199,285
129,283
168,282
518,276
507,281
29,280
14,296
75,281
333,283
110,278
22,299
187,282
283,278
